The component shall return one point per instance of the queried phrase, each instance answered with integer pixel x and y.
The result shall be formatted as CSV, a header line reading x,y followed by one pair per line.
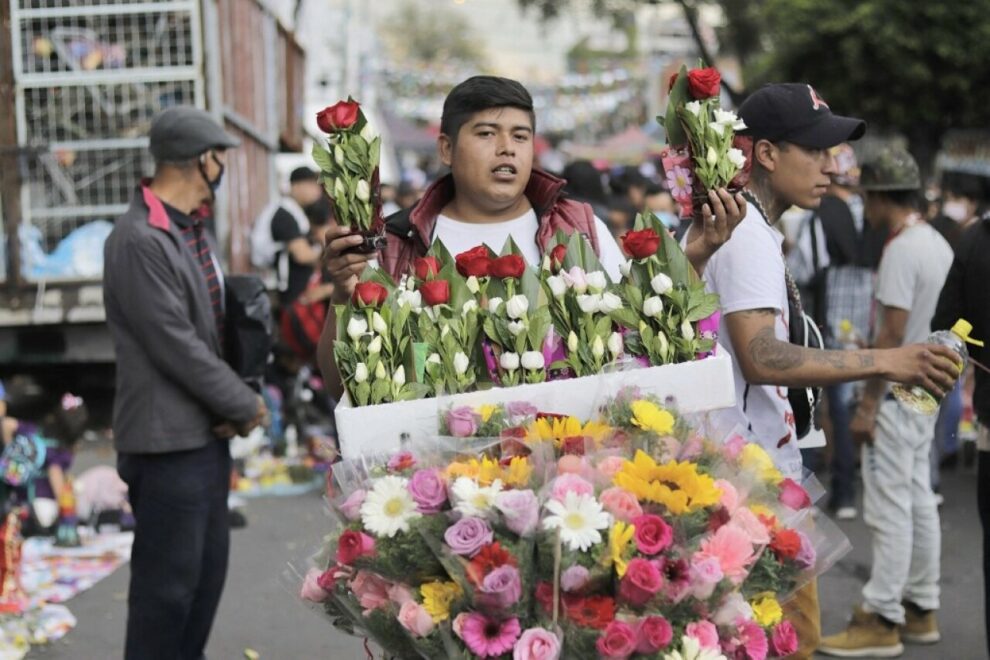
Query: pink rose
x,y
620,503
352,545
705,632
500,589
640,583
462,422
311,589
414,618
574,578
793,495
652,634
610,466
351,507
400,594
571,464
458,624
730,496
520,509
705,574
537,644
428,490
746,521
571,483
653,534
618,640
784,640
371,591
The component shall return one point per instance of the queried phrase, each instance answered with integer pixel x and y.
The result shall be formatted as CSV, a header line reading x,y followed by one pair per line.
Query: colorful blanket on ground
x,y
54,575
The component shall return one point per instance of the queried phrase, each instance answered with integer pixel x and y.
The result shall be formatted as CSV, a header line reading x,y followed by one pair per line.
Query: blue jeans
x,y
946,440
843,450
180,552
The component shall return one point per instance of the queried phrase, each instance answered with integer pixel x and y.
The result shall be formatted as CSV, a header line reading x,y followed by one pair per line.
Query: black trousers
x,y
983,504
181,547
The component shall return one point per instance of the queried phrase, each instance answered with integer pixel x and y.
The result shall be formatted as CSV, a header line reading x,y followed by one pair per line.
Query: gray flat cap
x,y
183,132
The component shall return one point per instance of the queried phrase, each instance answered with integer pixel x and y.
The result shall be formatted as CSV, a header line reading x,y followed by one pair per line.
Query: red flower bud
x,y
704,83
476,262
435,292
671,82
641,244
557,256
339,116
369,294
511,265
426,267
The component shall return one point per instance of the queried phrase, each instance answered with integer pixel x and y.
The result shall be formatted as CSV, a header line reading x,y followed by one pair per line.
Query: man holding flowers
x,y
492,193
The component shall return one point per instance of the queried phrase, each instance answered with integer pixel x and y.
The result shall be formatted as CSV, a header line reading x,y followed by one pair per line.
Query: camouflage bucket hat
x,y
890,168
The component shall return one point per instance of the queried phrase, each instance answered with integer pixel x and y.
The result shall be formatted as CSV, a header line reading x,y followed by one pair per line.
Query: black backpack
x,y
248,336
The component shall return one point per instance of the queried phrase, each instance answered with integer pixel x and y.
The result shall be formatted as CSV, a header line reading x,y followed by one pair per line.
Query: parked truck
x,y
80,81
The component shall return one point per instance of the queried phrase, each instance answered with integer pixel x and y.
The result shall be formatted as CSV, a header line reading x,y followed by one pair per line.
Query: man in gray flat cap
x,y
177,400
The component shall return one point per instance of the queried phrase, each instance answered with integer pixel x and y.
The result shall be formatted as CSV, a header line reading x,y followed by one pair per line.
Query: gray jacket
x,y
173,385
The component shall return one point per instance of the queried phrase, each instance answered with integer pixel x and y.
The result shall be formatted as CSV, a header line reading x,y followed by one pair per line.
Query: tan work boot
x,y
920,626
868,636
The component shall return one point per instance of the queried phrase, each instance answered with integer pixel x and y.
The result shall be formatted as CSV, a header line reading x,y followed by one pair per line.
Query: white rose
x,y
687,330
712,156
558,287
625,268
380,373
615,344
596,281
653,307
361,373
532,361
509,361
611,303
737,158
472,284
597,348
375,347
590,303
356,328
461,363
362,190
661,284
572,342
399,377
434,359
468,307
694,107
378,323
517,306
516,328
494,304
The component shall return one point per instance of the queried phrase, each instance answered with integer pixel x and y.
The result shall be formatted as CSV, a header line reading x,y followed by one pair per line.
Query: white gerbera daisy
x,y
578,517
474,500
691,650
388,508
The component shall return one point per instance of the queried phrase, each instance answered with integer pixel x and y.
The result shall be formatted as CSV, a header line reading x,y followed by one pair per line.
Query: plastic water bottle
x,y
848,337
919,399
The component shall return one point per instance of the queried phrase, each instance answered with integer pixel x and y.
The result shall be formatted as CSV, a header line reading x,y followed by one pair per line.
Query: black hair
x,y
303,174
584,182
479,93
65,420
912,199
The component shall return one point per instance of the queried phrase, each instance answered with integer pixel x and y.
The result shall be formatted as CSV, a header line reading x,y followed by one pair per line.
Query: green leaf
x,y
678,97
323,158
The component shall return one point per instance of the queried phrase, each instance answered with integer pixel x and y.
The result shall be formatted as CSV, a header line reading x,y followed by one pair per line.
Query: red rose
x,y
511,265
592,612
671,82
641,582
339,116
793,495
327,579
704,83
785,543
640,244
476,262
654,633
653,535
426,267
575,444
435,292
617,641
369,294
353,544
557,256
719,517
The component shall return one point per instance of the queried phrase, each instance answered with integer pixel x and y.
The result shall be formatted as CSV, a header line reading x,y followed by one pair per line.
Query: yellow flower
x,y
766,610
470,469
755,459
437,597
618,538
489,472
559,429
486,411
676,485
651,417
518,472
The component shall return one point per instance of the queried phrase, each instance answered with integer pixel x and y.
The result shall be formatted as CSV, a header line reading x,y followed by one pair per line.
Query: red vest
x,y
410,232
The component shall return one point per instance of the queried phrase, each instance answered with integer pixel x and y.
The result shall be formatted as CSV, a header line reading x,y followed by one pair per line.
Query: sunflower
x,y
676,485
559,429
470,469
651,417
437,597
618,539
518,472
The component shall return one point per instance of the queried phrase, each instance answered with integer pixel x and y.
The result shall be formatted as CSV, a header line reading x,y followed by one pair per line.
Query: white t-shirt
x,y
748,273
912,271
460,237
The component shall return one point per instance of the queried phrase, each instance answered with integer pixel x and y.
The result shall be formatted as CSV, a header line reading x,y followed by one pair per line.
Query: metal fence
x,y
90,75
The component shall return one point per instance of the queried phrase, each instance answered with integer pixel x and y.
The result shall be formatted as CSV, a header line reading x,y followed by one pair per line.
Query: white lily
x,y
597,348
610,302
596,281
712,156
626,268
380,373
590,303
687,330
494,304
362,191
572,342
461,363
509,361
661,284
434,359
375,346
378,323
532,361
517,306
558,287
356,328
361,373
694,107
737,158
615,344
653,307
399,377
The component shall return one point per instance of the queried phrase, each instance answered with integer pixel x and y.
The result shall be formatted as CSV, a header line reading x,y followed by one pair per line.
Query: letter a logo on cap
x,y
816,101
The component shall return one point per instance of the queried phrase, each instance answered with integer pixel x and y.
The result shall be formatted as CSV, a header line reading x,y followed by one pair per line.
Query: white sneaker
x,y
846,513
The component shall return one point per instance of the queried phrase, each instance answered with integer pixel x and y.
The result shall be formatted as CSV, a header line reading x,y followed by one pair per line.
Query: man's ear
x,y
446,148
766,153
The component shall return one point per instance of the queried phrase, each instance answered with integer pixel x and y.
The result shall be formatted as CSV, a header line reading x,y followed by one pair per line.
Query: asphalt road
x,y
260,612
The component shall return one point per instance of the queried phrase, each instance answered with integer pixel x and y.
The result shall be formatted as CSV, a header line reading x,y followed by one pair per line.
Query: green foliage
x,y
431,37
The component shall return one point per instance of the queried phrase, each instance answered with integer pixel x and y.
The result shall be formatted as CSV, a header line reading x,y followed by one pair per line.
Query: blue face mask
x,y
668,219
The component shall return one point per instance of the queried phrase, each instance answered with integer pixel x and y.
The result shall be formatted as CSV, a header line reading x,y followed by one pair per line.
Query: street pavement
x,y
260,610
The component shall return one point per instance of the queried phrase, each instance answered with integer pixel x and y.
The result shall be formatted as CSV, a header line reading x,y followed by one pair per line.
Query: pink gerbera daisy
x,y
489,638
679,181
753,639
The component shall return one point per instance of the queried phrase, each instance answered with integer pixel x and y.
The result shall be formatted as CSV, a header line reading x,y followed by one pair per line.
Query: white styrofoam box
x,y
697,387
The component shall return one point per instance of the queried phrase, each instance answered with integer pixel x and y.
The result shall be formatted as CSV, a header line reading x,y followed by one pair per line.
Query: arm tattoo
x,y
866,360
768,351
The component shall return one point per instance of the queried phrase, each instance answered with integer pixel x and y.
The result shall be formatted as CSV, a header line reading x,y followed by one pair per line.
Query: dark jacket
x,y
173,385
966,296
410,231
